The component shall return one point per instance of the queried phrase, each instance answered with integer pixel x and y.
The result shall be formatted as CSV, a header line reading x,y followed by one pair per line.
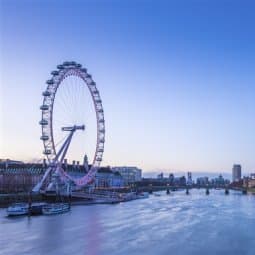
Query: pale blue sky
x,y
176,77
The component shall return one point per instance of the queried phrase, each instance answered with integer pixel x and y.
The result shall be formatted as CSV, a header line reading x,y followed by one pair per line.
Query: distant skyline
x,y
176,78
195,175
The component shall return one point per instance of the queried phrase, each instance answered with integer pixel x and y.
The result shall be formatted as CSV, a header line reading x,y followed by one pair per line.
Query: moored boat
x,y
143,195
129,196
57,208
36,208
17,209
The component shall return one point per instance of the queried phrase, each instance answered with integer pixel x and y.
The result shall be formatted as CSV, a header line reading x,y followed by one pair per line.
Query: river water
x,y
160,225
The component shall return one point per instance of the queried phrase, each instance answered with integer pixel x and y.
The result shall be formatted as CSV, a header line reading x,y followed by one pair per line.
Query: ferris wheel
x,y
72,102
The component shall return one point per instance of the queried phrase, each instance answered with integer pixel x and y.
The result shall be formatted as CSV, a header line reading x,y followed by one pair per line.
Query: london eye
x,y
71,102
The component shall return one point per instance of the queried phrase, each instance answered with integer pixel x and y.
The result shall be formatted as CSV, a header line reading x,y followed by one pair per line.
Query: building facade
x,y
16,176
129,174
189,178
219,181
106,178
249,182
203,180
236,173
19,177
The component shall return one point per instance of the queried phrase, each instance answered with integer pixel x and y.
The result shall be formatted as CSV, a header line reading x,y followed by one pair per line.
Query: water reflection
x,y
93,238
51,234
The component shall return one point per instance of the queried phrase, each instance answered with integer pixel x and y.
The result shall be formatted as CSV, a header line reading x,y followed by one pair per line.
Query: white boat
x,y
143,195
129,196
36,208
57,208
17,209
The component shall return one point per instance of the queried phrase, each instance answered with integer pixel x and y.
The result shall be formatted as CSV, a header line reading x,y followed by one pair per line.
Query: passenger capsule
x,y
98,101
92,83
78,65
55,73
66,63
44,107
50,82
99,159
47,152
88,76
60,67
44,137
102,130
73,63
101,110
46,93
84,70
101,121
101,140
100,150
43,122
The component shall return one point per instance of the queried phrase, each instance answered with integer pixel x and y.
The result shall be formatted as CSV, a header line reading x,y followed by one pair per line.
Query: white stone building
x,y
130,174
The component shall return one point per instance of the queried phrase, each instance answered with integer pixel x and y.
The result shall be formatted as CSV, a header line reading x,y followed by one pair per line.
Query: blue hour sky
x,y
176,77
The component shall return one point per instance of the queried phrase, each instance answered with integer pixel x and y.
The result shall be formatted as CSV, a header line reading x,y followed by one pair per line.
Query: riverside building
x,y
189,179
236,173
16,176
130,174
106,178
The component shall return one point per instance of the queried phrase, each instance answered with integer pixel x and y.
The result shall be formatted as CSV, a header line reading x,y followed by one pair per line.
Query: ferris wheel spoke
x,y
73,100
76,99
65,103
67,110
72,95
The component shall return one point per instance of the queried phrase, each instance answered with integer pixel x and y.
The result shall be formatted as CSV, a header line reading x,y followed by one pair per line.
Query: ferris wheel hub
x,y
73,128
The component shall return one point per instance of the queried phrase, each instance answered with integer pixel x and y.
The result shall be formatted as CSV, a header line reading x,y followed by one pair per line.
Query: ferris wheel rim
x,y
65,70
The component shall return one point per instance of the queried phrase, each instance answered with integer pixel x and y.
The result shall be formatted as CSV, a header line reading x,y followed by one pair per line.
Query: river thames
x,y
160,225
